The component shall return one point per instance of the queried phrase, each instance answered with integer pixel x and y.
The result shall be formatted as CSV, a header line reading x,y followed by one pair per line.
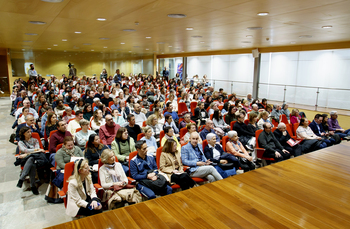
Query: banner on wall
x,y
180,69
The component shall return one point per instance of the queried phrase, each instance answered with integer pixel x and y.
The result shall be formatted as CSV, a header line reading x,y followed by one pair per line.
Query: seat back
x,y
161,135
246,121
131,156
51,133
68,171
183,131
283,118
204,143
182,109
110,104
144,124
77,130
220,107
232,123
211,116
290,130
37,136
139,136
193,106
295,127
59,146
257,133
158,153
224,141
151,107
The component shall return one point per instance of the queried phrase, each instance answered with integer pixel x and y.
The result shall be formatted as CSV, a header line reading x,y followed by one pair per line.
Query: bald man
x,y
209,128
192,155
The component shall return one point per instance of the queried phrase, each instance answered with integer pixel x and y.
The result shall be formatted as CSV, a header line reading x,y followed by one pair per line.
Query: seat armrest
x,y
98,187
62,194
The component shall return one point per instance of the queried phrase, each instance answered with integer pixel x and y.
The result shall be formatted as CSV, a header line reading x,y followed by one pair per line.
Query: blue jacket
x,y
139,168
313,125
189,157
173,114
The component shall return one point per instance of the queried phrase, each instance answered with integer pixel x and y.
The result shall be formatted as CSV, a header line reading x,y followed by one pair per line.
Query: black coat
x,y
208,152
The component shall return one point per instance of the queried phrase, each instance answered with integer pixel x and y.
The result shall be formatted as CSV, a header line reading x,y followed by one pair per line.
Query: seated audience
x,y
26,103
69,114
246,136
81,195
219,121
304,132
30,122
150,140
108,131
190,129
187,120
172,112
255,110
57,138
209,128
74,124
235,147
122,146
283,137
123,110
118,119
82,136
169,134
253,125
264,118
28,147
231,115
133,128
25,112
44,119
60,108
276,112
169,122
213,108
80,105
317,128
214,153
115,183
144,169
51,124
170,163
334,126
295,117
285,110
87,112
192,155
139,116
330,132
98,121
156,127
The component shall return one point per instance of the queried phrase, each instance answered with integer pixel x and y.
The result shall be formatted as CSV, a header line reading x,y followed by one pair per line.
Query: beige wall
x,y
50,62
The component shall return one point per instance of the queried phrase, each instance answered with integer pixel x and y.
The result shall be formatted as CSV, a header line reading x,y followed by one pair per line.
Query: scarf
x,y
168,137
111,171
69,152
234,145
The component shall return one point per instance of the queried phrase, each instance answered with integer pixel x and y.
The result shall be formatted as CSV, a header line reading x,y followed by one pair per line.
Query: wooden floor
x,y
311,191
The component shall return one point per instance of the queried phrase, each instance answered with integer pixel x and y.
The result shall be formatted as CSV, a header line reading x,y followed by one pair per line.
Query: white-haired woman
x,y
236,148
115,183
82,198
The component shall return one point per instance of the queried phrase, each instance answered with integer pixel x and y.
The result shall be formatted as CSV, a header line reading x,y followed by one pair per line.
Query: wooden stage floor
x,y
311,191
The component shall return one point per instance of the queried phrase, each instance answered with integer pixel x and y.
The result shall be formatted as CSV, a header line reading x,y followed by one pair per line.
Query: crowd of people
x,y
202,133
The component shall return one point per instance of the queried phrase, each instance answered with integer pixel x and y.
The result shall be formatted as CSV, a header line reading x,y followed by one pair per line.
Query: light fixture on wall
x,y
105,47
49,48
170,46
92,50
189,28
122,43
147,49
55,44
148,37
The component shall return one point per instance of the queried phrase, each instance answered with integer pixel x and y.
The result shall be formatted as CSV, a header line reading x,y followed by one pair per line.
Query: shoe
x,y
249,147
347,138
35,191
20,183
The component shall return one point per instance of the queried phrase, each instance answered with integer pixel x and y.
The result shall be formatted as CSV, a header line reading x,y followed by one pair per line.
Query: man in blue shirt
x,y
144,170
209,128
317,128
192,155
169,107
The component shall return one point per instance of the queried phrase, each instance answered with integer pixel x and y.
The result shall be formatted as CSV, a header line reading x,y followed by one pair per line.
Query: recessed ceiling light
x,y
101,19
147,49
31,34
86,44
197,36
249,36
105,47
48,48
103,38
77,32
64,50
246,42
162,52
170,46
208,49
177,15
263,14
27,41
37,22
92,50
305,36
148,37
122,43
293,42
64,39
189,28
129,30
160,43
327,27
52,1
254,28
23,50
202,42
55,44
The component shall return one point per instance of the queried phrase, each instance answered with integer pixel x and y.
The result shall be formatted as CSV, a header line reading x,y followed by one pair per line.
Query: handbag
x,y
226,166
